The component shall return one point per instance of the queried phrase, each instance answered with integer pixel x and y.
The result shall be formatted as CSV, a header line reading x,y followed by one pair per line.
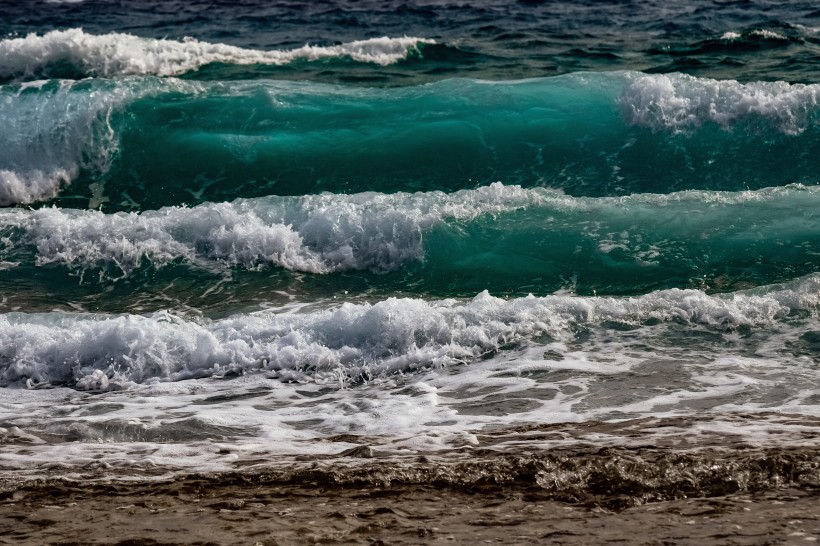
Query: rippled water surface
x,y
245,232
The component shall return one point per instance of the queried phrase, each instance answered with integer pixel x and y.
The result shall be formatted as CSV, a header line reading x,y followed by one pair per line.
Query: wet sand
x,y
399,515
634,496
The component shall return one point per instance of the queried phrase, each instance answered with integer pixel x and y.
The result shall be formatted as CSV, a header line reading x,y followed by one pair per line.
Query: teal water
x,y
506,239
143,143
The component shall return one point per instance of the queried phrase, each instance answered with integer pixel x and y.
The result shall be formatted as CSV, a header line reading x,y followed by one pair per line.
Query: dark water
x,y
497,40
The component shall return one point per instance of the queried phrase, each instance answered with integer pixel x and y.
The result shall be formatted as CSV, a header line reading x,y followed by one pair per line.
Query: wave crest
x,y
347,343
117,54
680,102
315,234
52,130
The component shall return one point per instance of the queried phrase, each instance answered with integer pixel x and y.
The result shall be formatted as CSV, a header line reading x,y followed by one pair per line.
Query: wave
x,y
680,102
76,53
739,42
732,36
56,129
505,238
349,343
315,234
149,142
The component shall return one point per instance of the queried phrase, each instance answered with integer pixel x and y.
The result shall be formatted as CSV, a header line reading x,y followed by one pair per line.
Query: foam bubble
x,y
680,102
117,54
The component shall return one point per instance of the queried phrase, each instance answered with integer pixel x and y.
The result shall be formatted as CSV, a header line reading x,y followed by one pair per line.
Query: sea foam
x,y
680,102
117,54
352,342
381,232
314,233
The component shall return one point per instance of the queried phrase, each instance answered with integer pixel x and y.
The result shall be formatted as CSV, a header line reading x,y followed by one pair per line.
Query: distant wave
x,y
116,54
754,33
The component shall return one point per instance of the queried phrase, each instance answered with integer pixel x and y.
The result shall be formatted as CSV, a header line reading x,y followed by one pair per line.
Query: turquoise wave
x,y
143,142
505,239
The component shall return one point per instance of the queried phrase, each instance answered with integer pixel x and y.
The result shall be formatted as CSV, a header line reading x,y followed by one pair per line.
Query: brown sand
x,y
231,514
661,486
644,495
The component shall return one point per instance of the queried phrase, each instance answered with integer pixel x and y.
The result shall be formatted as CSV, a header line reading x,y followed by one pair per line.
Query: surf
x,y
508,239
77,54
143,143
350,343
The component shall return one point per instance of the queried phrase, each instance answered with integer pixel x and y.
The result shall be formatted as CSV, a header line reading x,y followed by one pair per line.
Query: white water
x,y
215,424
681,102
117,54
317,234
344,345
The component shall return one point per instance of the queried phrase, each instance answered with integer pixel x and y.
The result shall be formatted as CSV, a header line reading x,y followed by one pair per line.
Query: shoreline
x,y
401,516
736,495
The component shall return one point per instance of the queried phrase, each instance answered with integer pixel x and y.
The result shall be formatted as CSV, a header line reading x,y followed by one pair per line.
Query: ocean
x,y
394,241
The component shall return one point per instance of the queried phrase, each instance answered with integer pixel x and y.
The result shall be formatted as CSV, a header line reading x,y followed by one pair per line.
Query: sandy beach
x,y
635,496
223,514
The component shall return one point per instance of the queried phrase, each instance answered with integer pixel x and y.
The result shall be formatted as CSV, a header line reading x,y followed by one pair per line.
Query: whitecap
x,y
680,102
351,342
117,54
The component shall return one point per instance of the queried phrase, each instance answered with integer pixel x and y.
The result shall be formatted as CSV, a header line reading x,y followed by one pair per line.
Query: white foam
x,y
352,341
680,102
317,234
263,422
328,233
117,54
768,34
760,33
53,129
34,185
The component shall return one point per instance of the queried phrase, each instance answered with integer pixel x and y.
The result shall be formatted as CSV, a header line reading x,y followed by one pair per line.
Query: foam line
x,y
347,343
117,54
